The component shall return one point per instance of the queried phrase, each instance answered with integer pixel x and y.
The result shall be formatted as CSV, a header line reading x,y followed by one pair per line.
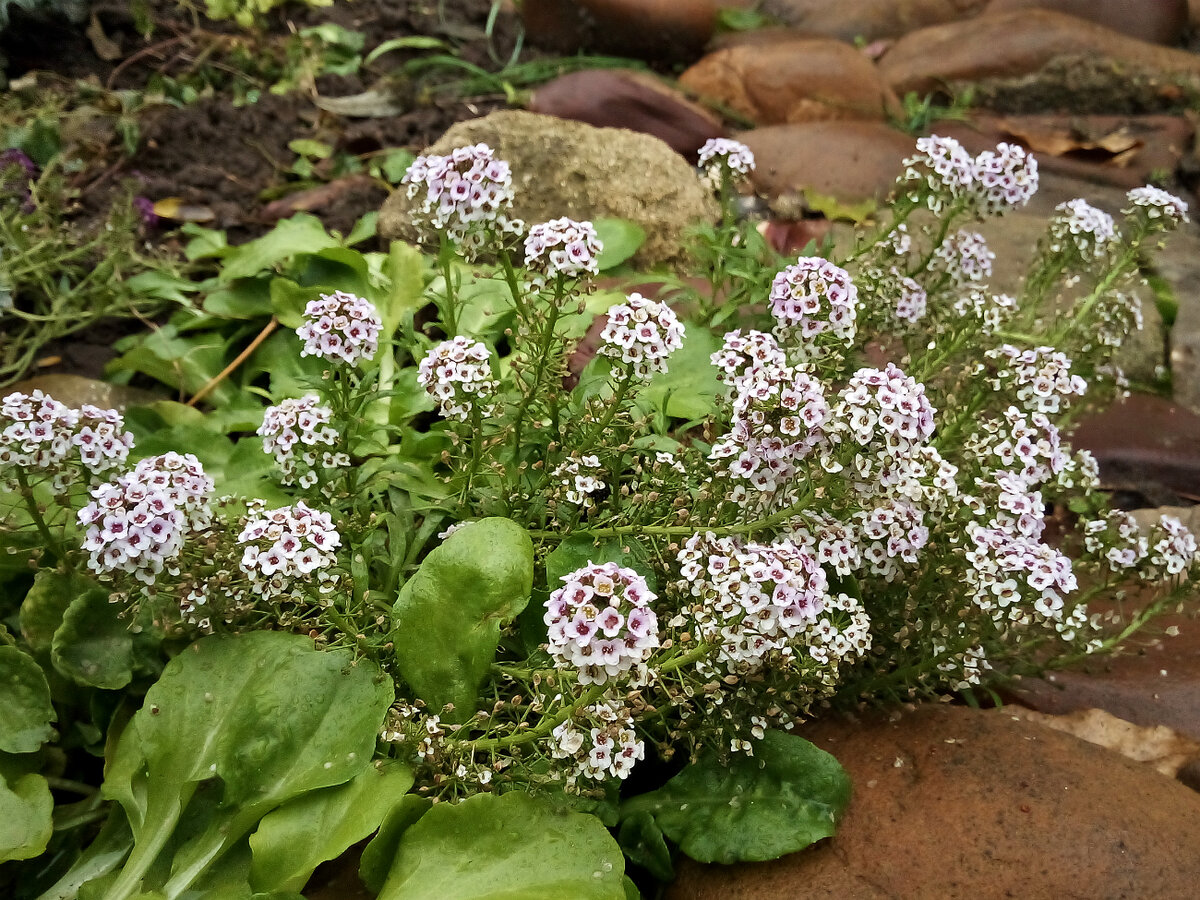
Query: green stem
x,y
52,548
614,407
1117,271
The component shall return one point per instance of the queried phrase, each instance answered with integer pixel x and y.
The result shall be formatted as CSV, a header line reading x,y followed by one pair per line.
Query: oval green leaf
x,y
510,847
93,646
25,709
26,823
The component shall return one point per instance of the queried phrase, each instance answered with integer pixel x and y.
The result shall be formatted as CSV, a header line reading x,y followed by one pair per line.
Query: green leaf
x,y
377,856
288,300
411,42
247,298
25,709
367,226
405,268
689,388
303,833
751,808
310,148
579,549
643,843
508,847
302,233
448,617
46,603
619,239
205,243
94,645
265,712
26,818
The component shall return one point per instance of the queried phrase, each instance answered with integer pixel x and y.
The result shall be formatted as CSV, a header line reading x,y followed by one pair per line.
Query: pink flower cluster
x,y
993,182
891,534
563,247
641,333
943,163
461,191
719,155
1041,375
340,326
1029,448
458,374
605,746
137,522
886,406
815,297
1159,207
778,415
301,425
740,353
1008,568
38,432
287,548
754,600
580,478
1005,178
600,622
964,257
913,300
1083,229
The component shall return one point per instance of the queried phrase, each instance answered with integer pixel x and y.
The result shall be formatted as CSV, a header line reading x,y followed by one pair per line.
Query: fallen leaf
x,y
101,43
175,209
1061,139
1165,749
313,198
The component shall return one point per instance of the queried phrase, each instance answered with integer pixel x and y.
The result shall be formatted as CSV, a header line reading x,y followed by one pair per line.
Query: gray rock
x,y
565,168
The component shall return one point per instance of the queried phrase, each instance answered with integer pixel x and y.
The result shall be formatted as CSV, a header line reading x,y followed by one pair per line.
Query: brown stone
x,y
1156,21
646,29
960,804
637,101
849,161
1013,44
870,20
802,80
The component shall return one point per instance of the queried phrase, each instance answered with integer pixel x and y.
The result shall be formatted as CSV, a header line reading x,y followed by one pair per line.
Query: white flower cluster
x,y
740,352
1118,538
301,425
605,746
641,333
1159,208
38,432
720,155
912,302
892,533
993,182
576,476
884,406
1087,231
1117,315
137,522
1041,375
340,326
990,310
600,622
967,667
458,374
1009,567
1172,547
754,601
563,247
461,192
815,297
843,631
778,414
1027,446
964,257
287,548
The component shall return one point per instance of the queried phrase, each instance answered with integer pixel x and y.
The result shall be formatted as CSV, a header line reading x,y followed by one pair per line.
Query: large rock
x,y
1157,21
963,804
608,98
869,20
800,80
565,168
849,161
1017,43
647,29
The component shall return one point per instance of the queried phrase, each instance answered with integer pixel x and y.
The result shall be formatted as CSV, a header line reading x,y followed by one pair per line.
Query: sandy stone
x,y
793,81
1157,21
75,391
963,804
870,20
850,161
634,100
1017,43
565,168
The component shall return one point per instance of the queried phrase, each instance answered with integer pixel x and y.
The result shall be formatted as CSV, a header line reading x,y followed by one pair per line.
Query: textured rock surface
x,y
869,20
1158,21
613,99
75,391
1016,43
960,804
798,80
565,168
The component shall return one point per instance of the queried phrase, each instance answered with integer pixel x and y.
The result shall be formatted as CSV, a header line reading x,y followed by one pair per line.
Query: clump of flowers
x,y
722,158
462,194
38,432
601,624
603,744
563,247
1159,208
137,523
742,352
1041,375
458,374
1006,178
297,431
964,257
340,327
287,549
942,165
641,334
580,479
1082,229
814,297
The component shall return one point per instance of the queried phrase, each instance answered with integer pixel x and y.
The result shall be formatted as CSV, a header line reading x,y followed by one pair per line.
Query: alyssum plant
x,y
859,517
